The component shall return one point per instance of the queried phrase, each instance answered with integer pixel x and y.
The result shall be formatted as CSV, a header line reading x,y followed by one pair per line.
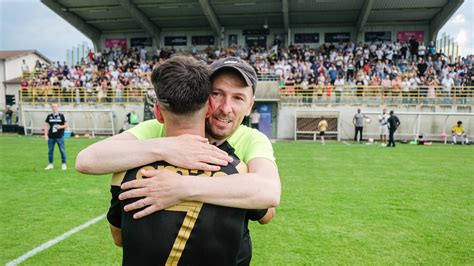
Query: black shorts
x,y
321,133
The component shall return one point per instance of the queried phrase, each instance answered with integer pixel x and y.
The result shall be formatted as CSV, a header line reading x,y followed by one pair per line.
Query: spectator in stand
x,y
387,87
422,67
339,83
24,67
422,50
447,83
396,88
131,69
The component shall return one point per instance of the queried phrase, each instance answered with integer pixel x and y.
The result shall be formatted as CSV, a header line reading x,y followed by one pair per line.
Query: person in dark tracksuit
x,y
393,124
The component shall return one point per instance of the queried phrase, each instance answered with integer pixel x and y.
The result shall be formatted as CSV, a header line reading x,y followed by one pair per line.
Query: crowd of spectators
x,y
396,70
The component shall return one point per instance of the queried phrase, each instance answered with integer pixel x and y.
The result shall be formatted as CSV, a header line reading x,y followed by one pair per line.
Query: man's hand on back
x,y
164,190
194,152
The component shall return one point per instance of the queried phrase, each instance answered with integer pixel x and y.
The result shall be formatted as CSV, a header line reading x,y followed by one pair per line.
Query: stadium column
x,y
142,19
286,20
364,15
212,19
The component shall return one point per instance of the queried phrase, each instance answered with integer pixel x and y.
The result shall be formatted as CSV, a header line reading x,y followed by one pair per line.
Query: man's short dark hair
x,y
182,84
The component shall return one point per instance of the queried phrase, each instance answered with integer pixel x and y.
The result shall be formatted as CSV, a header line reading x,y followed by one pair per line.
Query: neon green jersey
x,y
248,143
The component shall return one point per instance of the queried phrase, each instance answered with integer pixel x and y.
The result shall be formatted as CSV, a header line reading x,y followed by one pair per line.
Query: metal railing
x,y
437,95
34,95
268,77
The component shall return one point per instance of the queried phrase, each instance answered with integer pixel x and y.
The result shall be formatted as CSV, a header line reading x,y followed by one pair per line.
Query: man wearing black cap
x,y
232,97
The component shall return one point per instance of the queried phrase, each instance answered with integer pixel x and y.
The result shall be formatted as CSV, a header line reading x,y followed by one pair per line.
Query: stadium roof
x,y
94,18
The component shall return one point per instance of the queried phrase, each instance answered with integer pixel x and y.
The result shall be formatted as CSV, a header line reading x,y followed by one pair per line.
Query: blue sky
x,y
28,24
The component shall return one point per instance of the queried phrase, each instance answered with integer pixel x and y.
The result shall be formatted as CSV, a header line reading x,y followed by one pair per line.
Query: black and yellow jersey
x,y
190,233
245,252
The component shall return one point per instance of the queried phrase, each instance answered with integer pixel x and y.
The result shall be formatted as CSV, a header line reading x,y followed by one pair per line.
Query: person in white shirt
x,y
447,83
339,83
383,127
255,119
422,50
379,54
405,89
24,67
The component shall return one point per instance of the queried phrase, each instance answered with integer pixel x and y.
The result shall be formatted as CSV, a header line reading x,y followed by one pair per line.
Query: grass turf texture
x,y
357,204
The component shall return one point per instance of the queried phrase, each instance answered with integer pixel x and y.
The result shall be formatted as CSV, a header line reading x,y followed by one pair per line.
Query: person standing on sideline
x,y
322,127
383,128
358,122
132,119
8,116
53,133
393,124
254,119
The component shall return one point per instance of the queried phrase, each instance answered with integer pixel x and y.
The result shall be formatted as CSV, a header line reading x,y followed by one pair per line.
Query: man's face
x,y
54,108
230,101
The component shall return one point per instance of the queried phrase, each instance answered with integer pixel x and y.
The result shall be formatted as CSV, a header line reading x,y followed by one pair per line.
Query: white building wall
x,y
2,85
13,65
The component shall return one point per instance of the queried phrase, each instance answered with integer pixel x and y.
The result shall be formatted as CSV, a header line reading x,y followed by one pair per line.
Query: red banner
x,y
117,42
404,36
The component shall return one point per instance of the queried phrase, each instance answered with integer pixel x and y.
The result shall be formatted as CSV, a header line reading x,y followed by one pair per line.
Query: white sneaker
x,y
49,167
64,167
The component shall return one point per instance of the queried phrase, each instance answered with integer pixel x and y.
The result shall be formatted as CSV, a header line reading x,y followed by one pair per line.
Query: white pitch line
x,y
345,142
53,242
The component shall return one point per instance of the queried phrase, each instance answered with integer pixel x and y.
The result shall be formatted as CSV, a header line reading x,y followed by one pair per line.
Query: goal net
x,y
434,126
93,121
306,124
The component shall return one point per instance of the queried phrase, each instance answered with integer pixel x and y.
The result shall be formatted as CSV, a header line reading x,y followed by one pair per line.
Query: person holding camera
x,y
54,133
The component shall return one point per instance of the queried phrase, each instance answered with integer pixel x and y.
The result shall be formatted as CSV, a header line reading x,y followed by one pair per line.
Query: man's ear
x,y
252,102
158,114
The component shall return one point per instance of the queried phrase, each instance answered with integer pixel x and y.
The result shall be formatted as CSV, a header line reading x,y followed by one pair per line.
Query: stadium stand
x,y
383,52
369,73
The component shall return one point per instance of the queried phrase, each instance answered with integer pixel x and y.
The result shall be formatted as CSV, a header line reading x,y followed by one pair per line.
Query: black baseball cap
x,y
247,72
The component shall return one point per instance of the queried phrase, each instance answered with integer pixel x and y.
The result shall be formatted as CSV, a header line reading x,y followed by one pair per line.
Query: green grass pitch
x,y
341,204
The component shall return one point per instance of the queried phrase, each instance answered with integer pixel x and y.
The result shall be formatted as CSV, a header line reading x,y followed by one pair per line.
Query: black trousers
x,y
358,130
391,138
